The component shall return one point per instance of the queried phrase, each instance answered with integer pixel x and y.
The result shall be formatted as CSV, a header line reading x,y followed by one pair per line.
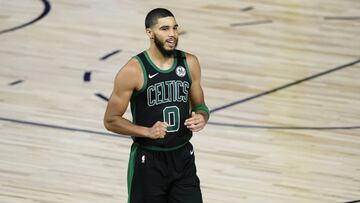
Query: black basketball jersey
x,y
163,97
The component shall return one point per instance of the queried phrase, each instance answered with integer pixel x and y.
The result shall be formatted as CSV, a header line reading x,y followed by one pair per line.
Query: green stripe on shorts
x,y
131,168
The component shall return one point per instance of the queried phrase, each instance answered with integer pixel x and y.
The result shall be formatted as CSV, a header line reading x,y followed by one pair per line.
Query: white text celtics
x,y
168,91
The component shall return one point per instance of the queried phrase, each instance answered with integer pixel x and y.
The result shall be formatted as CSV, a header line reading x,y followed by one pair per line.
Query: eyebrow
x,y
166,26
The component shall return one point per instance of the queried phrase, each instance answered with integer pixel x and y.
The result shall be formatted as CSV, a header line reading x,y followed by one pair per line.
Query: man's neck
x,y
159,59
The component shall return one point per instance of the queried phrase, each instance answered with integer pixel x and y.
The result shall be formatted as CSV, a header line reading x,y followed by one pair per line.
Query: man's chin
x,y
168,51
170,48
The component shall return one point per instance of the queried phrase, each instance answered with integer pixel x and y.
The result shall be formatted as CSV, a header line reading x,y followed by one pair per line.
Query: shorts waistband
x,y
163,149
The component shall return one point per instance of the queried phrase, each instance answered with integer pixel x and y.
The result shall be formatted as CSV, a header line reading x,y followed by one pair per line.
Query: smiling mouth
x,y
171,42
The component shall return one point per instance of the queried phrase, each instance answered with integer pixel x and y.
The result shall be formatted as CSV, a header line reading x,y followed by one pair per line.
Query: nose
x,y
172,33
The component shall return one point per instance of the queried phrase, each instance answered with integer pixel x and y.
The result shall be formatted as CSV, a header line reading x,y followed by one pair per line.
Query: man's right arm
x,y
127,80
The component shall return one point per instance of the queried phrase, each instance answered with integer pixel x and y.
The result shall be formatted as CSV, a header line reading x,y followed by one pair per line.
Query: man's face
x,y
166,35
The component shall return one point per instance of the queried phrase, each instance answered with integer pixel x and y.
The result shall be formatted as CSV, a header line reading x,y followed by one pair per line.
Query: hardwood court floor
x,y
281,78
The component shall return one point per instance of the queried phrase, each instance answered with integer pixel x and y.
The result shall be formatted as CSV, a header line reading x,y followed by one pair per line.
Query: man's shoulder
x,y
131,68
133,61
189,56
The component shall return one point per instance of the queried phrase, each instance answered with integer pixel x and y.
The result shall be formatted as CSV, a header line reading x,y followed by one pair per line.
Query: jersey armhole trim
x,y
186,66
133,110
144,75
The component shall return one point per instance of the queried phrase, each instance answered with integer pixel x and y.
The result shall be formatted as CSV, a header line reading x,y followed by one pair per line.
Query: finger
x,y
160,134
199,126
161,128
164,127
160,124
165,124
192,115
190,121
163,134
191,127
191,118
160,131
194,121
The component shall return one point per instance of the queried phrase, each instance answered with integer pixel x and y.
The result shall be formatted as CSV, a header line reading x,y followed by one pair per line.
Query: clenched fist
x,y
158,130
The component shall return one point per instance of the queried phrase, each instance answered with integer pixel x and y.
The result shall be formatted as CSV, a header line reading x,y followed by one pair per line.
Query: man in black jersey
x,y
162,84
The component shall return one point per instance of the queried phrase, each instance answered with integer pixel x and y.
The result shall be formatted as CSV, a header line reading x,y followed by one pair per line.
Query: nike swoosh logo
x,y
151,76
191,152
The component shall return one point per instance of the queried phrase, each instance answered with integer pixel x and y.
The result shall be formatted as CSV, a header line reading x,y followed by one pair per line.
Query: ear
x,y
149,33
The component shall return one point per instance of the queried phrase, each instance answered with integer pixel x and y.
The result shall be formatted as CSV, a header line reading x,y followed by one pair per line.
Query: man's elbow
x,y
108,124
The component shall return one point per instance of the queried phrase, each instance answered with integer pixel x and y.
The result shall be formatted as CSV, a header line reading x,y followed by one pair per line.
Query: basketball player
x,y
162,85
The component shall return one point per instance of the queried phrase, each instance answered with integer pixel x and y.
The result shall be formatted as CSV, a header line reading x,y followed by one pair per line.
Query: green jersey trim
x,y
159,69
131,168
144,75
186,66
133,109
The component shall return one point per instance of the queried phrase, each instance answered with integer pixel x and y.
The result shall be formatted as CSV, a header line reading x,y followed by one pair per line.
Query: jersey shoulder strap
x,y
181,59
142,60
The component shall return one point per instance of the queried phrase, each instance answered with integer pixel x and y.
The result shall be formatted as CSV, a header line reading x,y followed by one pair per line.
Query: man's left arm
x,y
200,113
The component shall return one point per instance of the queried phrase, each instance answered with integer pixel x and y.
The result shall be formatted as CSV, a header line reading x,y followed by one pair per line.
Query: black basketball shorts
x,y
163,176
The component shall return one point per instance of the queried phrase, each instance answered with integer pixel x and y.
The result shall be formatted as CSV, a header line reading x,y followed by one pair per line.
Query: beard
x,y
161,47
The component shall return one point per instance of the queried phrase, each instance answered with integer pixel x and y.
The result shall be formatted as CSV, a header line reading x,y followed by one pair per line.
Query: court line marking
x,y
101,96
286,86
220,108
342,18
47,8
62,127
216,109
251,23
284,127
249,8
110,54
87,76
72,129
356,201
16,82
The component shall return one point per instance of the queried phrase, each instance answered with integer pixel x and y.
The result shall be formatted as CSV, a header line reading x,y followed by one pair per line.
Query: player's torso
x,y
164,97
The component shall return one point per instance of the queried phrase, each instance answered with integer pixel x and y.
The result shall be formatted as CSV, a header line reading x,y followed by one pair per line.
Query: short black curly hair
x,y
153,16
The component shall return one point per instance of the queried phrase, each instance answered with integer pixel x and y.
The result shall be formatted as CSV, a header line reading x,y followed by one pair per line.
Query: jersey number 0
x,y
171,115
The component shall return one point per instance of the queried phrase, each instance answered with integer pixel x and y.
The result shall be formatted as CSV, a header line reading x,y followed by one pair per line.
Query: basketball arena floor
x,y
281,79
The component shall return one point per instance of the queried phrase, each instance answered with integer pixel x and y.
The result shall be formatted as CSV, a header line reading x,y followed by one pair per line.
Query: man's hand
x,y
158,130
196,122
